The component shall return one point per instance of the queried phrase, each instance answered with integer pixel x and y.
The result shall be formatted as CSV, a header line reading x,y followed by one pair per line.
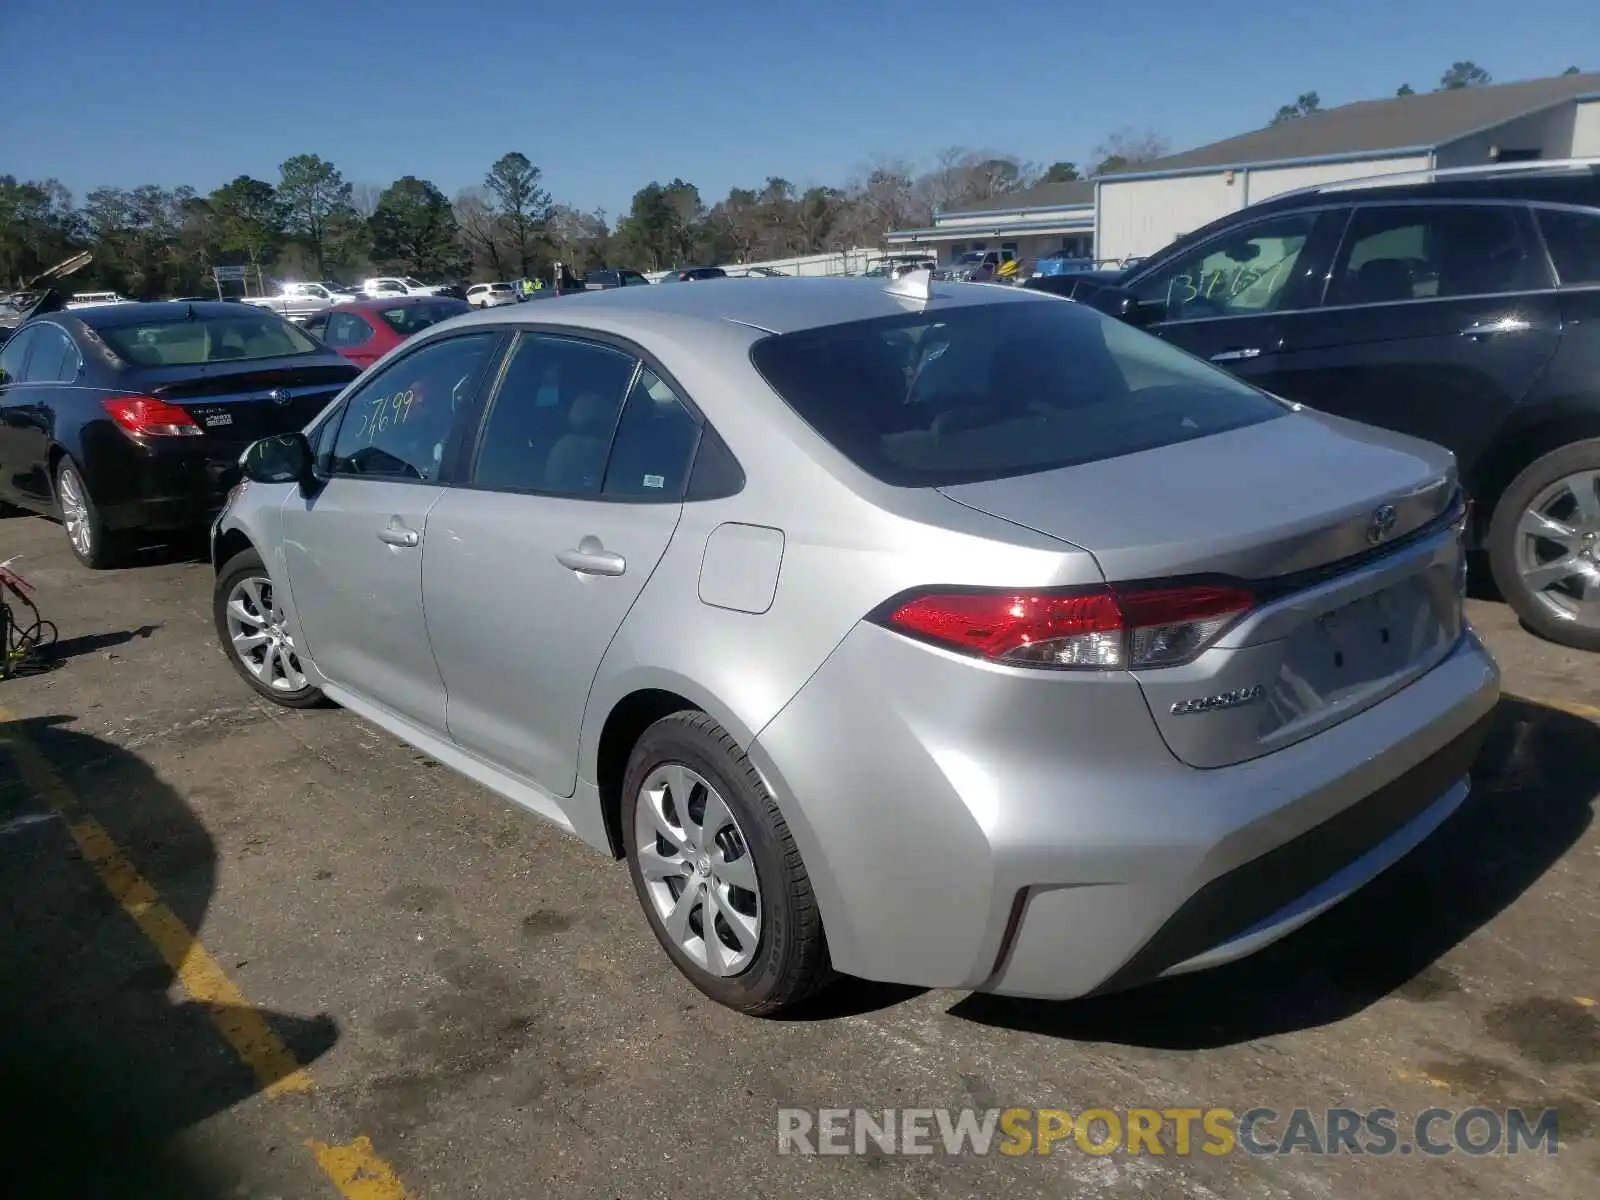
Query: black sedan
x,y
133,416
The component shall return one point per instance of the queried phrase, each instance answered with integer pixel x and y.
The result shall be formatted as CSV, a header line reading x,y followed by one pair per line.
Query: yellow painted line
x,y
355,1169
1588,712
197,972
1418,1077
1586,1001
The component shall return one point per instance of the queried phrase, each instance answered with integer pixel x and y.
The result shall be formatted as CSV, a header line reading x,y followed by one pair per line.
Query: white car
x,y
95,299
382,286
297,301
491,295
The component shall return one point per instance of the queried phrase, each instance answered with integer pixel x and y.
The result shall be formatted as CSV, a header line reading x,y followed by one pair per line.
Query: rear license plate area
x,y
1368,640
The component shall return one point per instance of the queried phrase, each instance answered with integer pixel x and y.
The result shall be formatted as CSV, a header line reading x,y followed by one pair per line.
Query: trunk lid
x,y
1342,531
236,403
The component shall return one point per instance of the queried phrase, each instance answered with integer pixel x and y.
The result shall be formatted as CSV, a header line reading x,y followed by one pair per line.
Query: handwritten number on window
x,y
382,411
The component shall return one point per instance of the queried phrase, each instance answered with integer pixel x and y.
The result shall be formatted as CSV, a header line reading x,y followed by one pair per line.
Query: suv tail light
x,y
1095,628
145,416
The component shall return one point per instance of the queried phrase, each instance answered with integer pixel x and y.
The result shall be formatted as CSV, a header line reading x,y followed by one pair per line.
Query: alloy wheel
x,y
1557,548
258,637
697,870
75,512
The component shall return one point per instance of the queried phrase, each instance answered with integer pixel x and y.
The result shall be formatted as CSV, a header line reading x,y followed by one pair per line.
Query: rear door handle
x,y
399,535
592,558
1483,329
1235,355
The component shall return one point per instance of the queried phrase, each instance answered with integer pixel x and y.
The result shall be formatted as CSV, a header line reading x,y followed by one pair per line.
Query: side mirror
x,y
285,458
1117,302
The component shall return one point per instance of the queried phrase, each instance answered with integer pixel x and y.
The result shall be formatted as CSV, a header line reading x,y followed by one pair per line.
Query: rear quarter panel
x,y
849,545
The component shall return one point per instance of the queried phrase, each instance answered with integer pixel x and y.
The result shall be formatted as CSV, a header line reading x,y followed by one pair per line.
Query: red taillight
x,y
1092,628
146,416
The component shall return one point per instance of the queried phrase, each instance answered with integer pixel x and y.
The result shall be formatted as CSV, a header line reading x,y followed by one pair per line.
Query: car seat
x,y
578,458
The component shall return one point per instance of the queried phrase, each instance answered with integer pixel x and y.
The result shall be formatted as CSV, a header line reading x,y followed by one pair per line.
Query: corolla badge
x,y
278,396
1231,699
1381,524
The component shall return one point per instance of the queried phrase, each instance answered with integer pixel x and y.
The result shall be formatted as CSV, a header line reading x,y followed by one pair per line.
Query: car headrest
x,y
590,411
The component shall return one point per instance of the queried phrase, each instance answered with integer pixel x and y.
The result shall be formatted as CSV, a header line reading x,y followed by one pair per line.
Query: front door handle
x,y
1235,355
1482,329
399,535
592,558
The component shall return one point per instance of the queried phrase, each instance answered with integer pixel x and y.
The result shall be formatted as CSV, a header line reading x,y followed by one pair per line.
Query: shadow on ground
x,y
1533,797
100,1067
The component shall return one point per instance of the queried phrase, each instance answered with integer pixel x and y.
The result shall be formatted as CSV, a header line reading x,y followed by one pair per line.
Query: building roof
x,y
1040,195
1423,121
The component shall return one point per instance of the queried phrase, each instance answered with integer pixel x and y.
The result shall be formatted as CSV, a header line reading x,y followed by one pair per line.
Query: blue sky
x,y
606,95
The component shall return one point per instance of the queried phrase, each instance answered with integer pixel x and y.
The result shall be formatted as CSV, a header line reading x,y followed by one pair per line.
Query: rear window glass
x,y
206,340
986,391
1574,242
407,319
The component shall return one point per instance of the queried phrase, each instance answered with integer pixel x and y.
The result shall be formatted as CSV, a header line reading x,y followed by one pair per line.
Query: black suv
x,y
1458,306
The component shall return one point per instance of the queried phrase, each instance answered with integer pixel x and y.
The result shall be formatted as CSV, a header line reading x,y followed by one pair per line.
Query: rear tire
x,y
250,632
778,956
1560,495
93,544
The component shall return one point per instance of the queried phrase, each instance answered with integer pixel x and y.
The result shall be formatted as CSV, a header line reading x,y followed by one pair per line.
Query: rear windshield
x,y
985,391
191,343
406,319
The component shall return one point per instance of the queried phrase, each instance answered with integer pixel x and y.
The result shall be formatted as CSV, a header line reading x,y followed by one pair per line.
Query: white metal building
x,y
1139,211
1040,220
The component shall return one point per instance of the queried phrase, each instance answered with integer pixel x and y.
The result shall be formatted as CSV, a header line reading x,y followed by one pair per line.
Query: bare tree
x,y
1127,146
883,197
364,199
480,230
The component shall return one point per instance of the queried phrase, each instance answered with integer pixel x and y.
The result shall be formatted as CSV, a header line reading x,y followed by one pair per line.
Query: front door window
x,y
1241,273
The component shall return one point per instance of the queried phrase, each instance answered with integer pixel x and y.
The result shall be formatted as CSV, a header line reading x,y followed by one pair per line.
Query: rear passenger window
x,y
54,358
552,419
654,446
1418,252
15,354
1573,239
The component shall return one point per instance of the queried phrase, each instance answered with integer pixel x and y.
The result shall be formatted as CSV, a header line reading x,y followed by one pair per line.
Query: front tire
x,y
1544,545
717,871
92,542
251,632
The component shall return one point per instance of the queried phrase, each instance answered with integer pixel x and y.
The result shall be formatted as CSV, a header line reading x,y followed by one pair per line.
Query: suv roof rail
x,y
1551,166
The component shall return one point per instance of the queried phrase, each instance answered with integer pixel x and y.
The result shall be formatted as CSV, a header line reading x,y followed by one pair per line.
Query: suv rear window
x,y
241,338
986,391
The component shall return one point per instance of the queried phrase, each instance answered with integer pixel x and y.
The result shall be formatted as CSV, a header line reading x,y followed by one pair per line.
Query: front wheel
x,y
717,871
1544,545
250,627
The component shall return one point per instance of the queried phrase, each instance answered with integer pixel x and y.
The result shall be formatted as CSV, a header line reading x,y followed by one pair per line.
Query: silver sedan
x,y
935,633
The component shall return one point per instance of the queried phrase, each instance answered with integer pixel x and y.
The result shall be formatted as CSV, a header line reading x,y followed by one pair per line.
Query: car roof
x,y
1556,184
787,304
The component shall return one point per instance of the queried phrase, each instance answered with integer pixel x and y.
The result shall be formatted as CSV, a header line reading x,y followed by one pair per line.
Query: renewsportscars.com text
x,y
1179,1132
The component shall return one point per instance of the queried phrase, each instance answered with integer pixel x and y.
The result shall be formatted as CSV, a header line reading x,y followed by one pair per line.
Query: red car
x,y
367,330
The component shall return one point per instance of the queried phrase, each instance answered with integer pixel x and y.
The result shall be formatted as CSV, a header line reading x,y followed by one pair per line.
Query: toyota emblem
x,y
278,396
1381,525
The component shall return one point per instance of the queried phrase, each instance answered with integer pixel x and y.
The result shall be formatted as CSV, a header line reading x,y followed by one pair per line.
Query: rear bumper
x,y
977,827
168,484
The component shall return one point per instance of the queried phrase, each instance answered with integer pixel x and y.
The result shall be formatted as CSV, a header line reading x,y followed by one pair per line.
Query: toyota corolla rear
x,y
1226,683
